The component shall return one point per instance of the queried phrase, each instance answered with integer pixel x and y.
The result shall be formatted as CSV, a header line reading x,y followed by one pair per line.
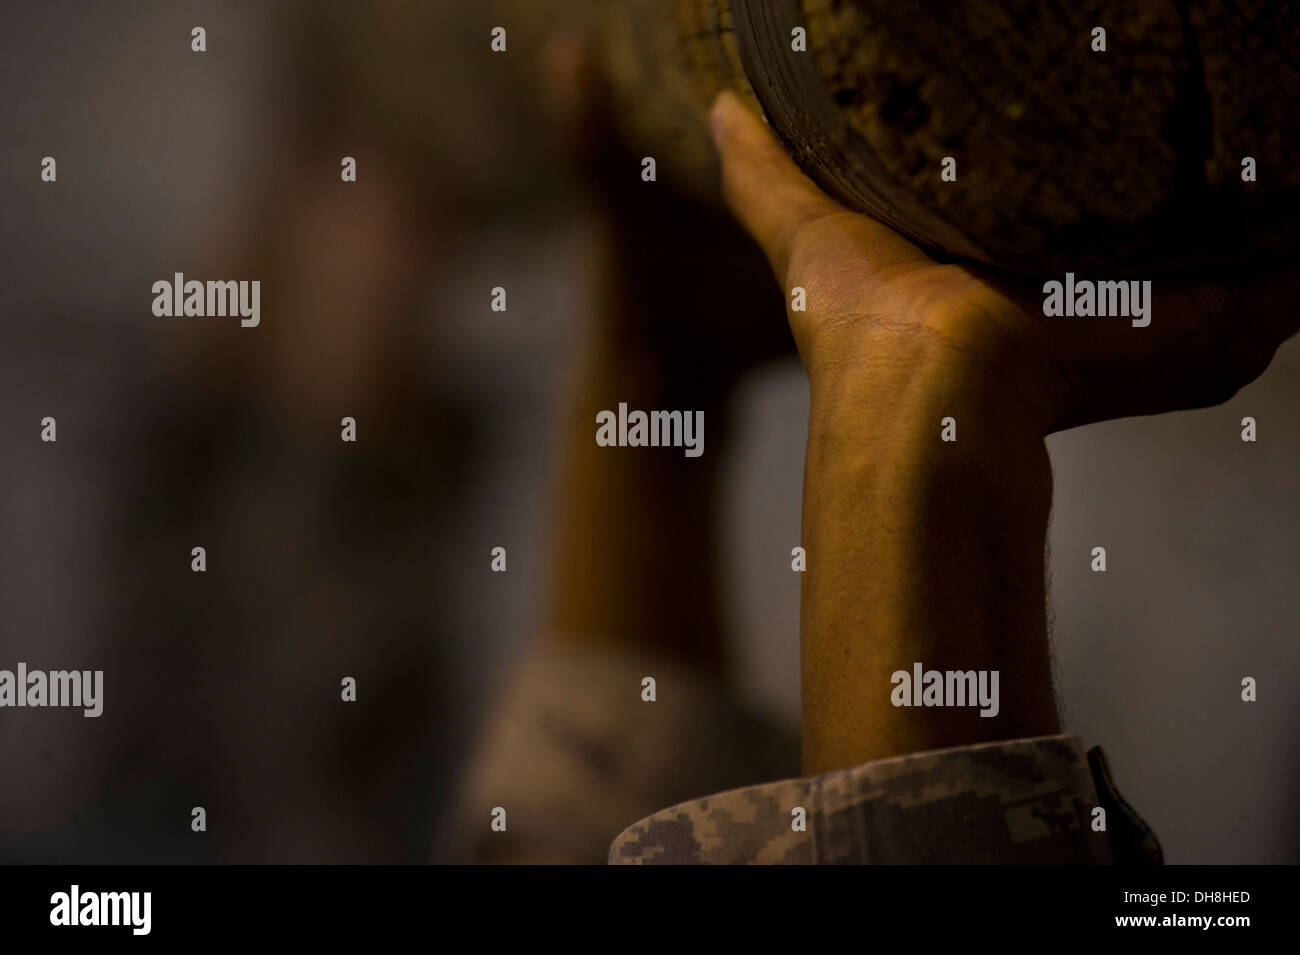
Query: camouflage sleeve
x,y
1020,801
572,751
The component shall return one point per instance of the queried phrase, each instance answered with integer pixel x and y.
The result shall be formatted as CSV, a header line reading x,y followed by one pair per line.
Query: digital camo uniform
x,y
1021,801
573,754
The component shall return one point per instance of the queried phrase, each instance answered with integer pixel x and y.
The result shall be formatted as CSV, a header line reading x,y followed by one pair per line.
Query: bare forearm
x,y
634,562
921,551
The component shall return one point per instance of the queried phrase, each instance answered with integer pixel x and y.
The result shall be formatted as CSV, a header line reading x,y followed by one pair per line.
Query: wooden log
x,y
1067,157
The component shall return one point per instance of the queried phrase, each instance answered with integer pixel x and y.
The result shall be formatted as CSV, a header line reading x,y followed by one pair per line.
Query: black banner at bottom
x,y
335,904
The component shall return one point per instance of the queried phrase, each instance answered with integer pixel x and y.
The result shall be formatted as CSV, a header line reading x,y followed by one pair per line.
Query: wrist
x,y
940,365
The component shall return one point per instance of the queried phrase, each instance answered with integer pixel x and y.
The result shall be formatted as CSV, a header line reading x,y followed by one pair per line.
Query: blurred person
x,y
323,557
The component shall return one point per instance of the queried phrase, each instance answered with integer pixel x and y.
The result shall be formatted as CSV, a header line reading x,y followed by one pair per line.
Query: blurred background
x,y
371,559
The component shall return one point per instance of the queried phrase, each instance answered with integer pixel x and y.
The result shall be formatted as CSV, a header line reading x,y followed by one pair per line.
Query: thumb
x,y
761,184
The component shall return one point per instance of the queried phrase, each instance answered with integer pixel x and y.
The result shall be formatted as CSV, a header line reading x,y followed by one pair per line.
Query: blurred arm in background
x,y
684,305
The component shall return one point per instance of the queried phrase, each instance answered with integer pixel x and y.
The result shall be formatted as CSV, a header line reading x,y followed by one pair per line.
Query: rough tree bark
x,y
1067,158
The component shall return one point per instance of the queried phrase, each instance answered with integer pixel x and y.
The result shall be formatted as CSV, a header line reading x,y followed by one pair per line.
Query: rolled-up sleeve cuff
x,y
1033,801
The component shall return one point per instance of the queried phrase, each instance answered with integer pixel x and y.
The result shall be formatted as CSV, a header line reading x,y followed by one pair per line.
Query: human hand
x,y
873,296
685,302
